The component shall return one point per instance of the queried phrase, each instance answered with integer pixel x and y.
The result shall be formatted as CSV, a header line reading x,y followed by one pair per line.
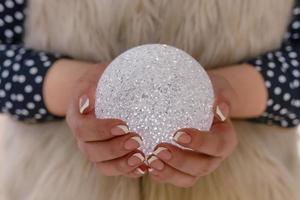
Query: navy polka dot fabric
x,y
281,71
22,71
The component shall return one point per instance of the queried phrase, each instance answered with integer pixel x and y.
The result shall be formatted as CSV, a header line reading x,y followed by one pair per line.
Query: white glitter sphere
x,y
156,89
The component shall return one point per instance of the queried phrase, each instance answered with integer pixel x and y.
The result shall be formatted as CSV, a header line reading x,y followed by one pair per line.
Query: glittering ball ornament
x,y
157,90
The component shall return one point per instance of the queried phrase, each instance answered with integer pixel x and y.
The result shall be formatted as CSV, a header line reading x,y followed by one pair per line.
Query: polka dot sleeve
x,y
22,70
281,71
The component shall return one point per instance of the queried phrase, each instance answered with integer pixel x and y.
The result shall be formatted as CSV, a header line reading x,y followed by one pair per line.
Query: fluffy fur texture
x,y
43,162
216,32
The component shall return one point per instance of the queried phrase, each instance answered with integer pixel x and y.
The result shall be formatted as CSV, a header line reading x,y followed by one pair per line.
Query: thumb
x,y
86,101
221,111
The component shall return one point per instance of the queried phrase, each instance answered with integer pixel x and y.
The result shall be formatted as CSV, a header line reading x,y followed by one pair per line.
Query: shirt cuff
x,y
22,78
279,71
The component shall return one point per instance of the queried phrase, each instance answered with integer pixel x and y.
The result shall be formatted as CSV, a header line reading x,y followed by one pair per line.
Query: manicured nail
x,y
119,130
84,103
155,163
135,159
222,111
163,153
152,171
139,171
133,143
182,137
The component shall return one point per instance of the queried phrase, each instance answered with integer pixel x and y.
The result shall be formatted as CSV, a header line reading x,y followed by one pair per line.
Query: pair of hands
x,y
114,150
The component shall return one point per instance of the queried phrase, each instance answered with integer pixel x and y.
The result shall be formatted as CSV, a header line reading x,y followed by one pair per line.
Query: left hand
x,y
182,167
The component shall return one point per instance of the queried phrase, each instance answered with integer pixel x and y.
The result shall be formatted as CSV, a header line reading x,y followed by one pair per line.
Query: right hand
x,y
105,142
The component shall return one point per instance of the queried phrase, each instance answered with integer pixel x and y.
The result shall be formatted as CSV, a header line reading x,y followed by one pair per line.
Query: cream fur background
x,y
42,162
215,32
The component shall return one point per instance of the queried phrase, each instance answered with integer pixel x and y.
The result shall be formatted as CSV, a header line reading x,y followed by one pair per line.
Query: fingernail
x,y
155,163
133,143
84,103
139,171
182,137
152,171
119,130
163,153
136,159
222,111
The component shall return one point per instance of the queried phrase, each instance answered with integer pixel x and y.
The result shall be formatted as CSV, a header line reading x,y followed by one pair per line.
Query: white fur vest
x,y
42,161
216,32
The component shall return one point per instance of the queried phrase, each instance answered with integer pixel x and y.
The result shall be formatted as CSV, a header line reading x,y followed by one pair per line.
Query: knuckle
x,y
122,167
179,161
199,142
226,146
220,148
101,131
78,130
207,167
113,150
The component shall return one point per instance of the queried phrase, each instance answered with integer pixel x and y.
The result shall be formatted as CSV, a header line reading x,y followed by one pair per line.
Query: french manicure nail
x,y
133,143
221,111
154,162
182,137
136,159
151,159
119,130
152,171
162,153
139,171
84,103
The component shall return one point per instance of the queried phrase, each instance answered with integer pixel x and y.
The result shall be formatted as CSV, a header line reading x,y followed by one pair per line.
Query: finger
x,y
86,87
85,98
127,165
189,162
219,142
138,172
85,125
173,176
90,129
111,149
221,111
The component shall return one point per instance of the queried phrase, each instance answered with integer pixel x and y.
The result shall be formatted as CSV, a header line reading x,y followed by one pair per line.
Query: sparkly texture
x,y
156,89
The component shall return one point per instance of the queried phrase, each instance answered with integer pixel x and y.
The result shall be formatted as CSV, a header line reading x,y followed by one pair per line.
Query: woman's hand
x,y
244,89
105,142
182,167
170,164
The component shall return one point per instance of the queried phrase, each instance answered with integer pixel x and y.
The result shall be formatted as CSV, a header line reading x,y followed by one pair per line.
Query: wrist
x,y
60,82
224,92
247,92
